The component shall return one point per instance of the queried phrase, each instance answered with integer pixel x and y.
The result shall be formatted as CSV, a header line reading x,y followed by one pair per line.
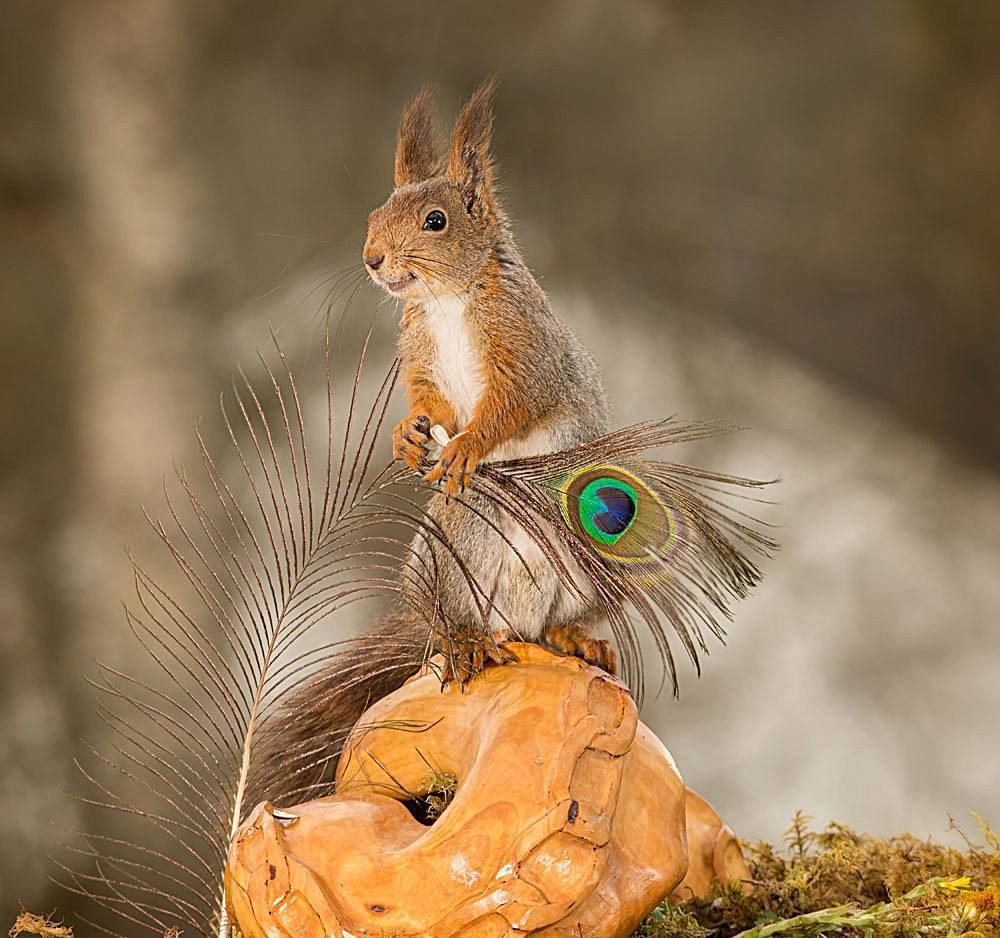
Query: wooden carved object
x,y
570,818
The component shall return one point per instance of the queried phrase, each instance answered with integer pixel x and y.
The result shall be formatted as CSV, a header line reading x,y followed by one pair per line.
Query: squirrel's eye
x,y
435,221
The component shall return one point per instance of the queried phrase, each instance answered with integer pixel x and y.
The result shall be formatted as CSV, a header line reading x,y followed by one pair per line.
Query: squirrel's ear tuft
x,y
470,162
415,147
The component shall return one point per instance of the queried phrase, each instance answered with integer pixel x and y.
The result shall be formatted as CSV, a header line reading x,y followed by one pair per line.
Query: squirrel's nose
x,y
374,262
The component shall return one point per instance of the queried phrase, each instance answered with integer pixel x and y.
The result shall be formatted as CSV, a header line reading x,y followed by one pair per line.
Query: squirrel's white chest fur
x,y
457,364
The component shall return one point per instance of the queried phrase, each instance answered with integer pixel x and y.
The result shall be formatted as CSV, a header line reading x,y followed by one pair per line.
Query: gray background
x,y
781,214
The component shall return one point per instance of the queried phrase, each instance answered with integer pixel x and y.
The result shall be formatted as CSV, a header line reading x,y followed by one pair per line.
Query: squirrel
x,y
484,357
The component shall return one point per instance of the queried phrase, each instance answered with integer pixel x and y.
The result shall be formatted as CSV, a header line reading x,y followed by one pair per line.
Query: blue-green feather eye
x,y
606,508
619,514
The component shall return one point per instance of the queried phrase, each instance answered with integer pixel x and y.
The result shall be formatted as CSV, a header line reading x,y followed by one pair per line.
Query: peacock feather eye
x,y
620,515
607,508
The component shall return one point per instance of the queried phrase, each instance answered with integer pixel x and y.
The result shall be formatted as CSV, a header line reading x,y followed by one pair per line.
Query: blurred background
x,y
788,209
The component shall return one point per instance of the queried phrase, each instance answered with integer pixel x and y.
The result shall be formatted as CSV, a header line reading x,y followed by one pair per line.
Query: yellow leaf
x,y
959,882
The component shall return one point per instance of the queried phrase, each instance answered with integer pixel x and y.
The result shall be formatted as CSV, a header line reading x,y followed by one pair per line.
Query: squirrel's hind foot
x,y
463,664
574,641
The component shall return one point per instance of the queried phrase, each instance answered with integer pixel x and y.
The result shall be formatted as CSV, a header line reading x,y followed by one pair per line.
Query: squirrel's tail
x,y
297,760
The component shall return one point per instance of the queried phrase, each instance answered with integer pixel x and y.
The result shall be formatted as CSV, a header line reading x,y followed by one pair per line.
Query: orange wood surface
x,y
569,818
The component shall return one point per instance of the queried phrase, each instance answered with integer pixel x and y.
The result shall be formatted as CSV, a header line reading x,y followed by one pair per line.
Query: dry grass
x,y
27,923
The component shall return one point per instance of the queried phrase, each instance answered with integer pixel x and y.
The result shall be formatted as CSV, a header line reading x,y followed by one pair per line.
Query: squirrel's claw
x,y
410,439
463,664
575,641
457,463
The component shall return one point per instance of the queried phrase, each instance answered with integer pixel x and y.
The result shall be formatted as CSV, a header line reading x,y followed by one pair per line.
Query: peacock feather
x,y
655,540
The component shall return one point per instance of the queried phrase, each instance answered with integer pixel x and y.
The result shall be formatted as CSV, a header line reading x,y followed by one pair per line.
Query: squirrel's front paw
x,y
410,439
457,463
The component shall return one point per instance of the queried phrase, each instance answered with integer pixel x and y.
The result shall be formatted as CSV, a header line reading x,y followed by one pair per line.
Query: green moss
x,y
838,882
436,791
669,921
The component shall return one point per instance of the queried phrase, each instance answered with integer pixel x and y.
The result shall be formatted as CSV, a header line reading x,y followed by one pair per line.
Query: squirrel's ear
x,y
415,147
470,162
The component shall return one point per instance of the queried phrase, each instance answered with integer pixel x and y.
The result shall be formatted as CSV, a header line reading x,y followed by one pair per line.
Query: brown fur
x,y
296,759
574,640
415,153
470,161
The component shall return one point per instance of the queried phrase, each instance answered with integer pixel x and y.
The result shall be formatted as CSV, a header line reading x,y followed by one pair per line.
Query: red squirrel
x,y
484,357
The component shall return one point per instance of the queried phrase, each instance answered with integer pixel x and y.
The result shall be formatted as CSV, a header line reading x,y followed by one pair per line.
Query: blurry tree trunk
x,y
97,193
37,450
136,251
